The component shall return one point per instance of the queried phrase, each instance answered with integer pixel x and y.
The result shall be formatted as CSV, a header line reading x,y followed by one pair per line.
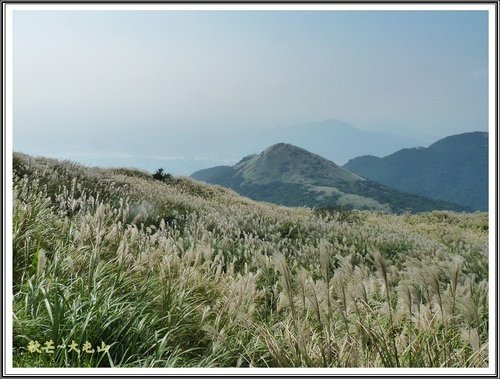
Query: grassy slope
x,y
288,175
187,274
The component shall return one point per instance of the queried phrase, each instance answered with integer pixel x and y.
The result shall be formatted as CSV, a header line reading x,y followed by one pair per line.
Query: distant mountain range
x,y
337,140
453,169
183,150
289,175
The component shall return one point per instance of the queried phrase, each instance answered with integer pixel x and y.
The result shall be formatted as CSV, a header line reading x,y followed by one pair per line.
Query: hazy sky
x,y
83,78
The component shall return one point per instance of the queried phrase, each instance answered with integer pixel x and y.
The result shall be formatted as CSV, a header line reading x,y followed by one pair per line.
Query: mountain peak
x,y
289,163
461,142
279,146
285,148
454,169
290,175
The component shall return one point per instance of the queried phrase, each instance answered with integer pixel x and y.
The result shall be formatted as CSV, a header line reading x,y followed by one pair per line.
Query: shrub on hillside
x,y
161,175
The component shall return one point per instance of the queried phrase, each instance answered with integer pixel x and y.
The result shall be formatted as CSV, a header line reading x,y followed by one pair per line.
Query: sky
x,y
118,83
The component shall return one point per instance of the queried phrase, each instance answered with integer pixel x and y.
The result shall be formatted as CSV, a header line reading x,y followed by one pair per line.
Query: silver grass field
x,y
185,274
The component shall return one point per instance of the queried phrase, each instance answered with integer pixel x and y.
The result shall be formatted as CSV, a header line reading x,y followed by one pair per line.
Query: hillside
x,y
288,175
179,273
453,169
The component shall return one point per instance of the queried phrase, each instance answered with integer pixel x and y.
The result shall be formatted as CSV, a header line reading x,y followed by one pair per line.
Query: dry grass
x,y
186,274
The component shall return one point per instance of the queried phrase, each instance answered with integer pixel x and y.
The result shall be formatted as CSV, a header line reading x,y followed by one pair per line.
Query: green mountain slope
x,y
179,273
288,175
453,169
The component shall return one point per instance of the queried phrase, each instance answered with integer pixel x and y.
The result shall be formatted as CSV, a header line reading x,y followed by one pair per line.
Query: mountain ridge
x,y
454,169
289,175
330,139
184,149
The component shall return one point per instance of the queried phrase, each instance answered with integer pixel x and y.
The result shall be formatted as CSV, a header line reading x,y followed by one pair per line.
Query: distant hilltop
x,y
453,169
288,175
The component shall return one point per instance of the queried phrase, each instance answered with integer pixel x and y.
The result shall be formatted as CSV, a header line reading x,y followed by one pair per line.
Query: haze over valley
x,y
184,152
192,90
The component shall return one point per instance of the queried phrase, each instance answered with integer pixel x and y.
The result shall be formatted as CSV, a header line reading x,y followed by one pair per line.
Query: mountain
x,y
289,175
333,139
184,149
453,169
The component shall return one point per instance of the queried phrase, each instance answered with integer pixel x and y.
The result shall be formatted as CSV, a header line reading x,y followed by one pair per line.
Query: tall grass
x,y
183,274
